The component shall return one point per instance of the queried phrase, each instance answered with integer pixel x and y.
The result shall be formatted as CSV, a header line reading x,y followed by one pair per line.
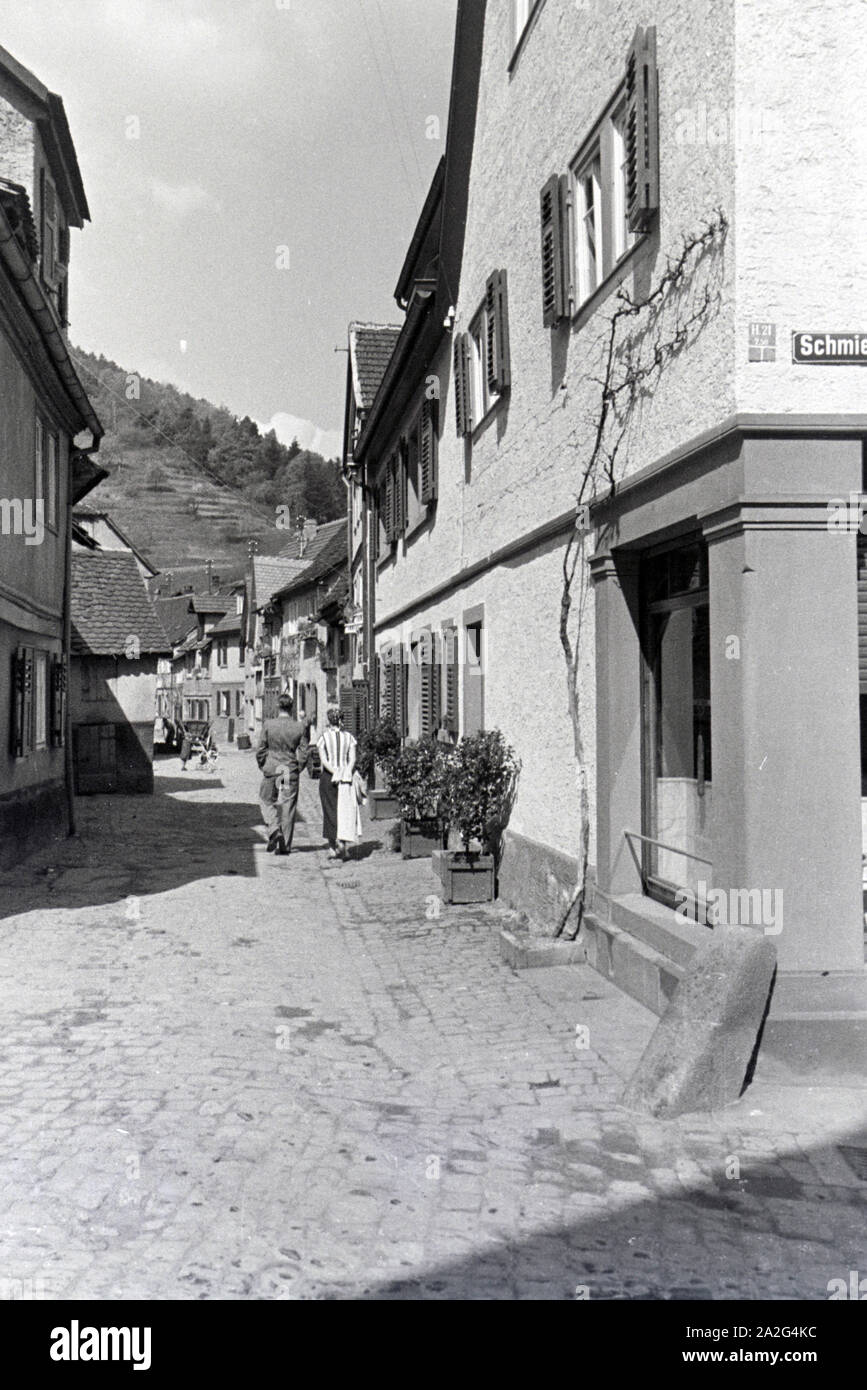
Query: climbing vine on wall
x,y
644,335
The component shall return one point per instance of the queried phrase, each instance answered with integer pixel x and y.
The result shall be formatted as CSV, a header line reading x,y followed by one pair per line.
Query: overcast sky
x,y
261,124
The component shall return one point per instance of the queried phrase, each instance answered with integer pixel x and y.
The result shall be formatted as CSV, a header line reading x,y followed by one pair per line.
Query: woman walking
x,y
341,811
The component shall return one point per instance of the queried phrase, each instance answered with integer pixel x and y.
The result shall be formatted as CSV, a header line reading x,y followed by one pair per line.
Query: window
x,y
474,672
223,651
40,700
591,219
522,13
239,702
52,481
677,721
39,463
588,220
224,702
482,367
622,239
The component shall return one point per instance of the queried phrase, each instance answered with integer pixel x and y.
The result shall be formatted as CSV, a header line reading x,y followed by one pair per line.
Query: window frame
x,y
523,14
615,242
484,400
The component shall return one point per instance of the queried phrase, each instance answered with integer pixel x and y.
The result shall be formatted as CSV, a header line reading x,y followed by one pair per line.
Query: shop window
x,y
676,843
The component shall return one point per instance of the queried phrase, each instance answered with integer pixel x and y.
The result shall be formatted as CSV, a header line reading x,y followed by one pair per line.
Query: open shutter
x,y
58,702
389,517
401,464
400,690
463,394
50,234
427,457
390,684
375,521
497,314
554,243
450,664
21,733
642,131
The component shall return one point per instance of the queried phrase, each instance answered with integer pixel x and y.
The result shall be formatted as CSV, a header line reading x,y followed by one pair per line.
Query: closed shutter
x,y
58,702
361,695
21,737
375,517
497,315
50,234
463,393
450,679
391,685
554,243
428,452
862,613
426,690
642,131
347,709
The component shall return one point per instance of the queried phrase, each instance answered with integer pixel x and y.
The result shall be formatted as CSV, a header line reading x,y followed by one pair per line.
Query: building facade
x,y
47,431
117,641
615,384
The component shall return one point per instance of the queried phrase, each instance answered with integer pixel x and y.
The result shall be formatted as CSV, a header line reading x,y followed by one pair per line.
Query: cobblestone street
x,y
229,1076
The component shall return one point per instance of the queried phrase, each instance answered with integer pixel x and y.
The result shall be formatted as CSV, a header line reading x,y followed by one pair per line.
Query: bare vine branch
x,y
639,345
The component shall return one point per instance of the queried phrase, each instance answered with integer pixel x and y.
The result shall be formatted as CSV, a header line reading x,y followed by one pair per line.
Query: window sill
x,y
489,415
418,525
588,307
522,38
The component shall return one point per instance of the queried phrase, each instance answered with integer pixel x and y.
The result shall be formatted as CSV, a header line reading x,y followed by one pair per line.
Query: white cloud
x,y
328,443
180,199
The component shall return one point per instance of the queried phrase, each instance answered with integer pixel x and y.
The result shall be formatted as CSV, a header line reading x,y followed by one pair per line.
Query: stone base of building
x,y
816,1024
537,881
30,820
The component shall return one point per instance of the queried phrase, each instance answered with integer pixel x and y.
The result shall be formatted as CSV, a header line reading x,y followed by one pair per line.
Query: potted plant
x,y
377,748
479,789
415,780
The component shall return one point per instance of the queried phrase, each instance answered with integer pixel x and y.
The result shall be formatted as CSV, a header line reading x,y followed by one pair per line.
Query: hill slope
x,y
189,481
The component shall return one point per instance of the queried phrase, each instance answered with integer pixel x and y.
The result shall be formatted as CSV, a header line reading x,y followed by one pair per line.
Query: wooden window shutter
x,y
347,709
426,687
389,503
400,711
554,244
58,702
497,315
427,457
436,681
402,471
463,392
375,515
642,131
450,662
390,685
21,739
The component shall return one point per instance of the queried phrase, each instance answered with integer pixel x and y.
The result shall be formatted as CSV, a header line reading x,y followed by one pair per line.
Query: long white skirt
x,y
348,813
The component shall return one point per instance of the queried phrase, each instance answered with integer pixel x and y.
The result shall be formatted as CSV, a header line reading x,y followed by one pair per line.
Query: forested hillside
x,y
189,481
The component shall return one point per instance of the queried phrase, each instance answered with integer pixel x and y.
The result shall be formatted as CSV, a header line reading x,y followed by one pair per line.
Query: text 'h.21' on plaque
x,y
830,349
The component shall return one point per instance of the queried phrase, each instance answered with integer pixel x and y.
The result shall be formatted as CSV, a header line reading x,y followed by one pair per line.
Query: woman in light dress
x,y
339,787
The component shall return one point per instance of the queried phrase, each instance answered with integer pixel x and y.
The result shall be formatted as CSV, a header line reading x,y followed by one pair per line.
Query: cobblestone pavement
x,y
228,1076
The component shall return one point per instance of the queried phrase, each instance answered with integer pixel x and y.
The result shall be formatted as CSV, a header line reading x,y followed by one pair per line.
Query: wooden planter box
x,y
383,806
465,880
420,838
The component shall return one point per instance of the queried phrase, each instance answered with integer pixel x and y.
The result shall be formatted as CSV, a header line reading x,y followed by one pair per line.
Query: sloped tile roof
x,y
331,557
269,575
110,603
230,623
314,547
175,616
370,348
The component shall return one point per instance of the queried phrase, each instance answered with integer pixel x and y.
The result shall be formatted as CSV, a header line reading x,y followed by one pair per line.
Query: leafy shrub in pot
x,y
378,745
480,781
